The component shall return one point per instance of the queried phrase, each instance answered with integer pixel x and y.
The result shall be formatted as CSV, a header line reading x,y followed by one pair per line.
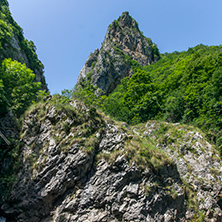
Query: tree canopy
x,y
17,89
181,87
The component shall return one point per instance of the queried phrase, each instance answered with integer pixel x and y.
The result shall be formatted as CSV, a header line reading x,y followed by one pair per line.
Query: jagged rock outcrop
x,y
123,43
79,165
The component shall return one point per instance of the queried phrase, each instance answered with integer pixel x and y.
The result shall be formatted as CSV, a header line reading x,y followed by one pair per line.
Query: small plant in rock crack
x,y
147,189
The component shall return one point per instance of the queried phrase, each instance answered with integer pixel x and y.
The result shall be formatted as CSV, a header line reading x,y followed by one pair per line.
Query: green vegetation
x,y
71,125
145,154
85,92
136,97
11,31
183,87
17,89
154,49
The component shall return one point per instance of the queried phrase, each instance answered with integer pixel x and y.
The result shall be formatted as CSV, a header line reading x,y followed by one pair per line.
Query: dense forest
x,y
183,87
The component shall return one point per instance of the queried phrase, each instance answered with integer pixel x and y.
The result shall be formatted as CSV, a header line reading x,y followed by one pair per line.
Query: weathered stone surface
x,y
198,164
123,41
17,54
62,180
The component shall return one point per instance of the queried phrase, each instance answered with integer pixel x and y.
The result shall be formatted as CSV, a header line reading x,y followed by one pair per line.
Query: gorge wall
x,y
15,46
70,162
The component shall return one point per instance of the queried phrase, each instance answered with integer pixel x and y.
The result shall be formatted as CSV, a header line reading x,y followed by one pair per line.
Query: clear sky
x,y
65,32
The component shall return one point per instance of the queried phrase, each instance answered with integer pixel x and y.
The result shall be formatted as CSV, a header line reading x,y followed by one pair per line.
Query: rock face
x,y
16,53
123,44
78,165
13,45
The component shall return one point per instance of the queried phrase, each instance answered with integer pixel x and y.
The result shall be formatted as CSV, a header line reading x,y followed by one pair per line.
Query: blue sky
x,y
65,32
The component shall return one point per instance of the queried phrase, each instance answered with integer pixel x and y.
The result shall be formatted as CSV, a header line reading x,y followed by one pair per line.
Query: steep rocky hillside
x,y
17,82
14,45
67,161
76,164
124,47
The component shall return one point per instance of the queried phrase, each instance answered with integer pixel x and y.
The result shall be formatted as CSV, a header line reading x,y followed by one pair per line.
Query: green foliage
x,y
4,2
3,100
134,100
67,93
85,92
154,50
17,89
181,87
134,65
29,49
190,83
10,32
113,105
41,95
5,33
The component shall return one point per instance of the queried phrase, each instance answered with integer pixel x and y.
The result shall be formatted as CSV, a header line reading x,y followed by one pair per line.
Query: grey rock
x,y
2,219
148,133
107,66
74,185
15,53
113,139
195,159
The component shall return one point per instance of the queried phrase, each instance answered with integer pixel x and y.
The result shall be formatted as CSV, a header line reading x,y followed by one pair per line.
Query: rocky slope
x,y
76,164
14,45
123,45
73,163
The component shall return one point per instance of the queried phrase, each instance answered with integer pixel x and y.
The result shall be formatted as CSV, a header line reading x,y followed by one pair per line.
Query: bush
x,y
17,89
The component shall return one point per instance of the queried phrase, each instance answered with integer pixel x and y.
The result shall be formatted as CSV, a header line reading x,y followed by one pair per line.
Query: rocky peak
x,y
123,43
126,20
126,35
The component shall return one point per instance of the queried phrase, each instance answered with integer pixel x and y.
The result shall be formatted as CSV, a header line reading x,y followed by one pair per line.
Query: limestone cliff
x,y
123,44
69,162
13,45
76,164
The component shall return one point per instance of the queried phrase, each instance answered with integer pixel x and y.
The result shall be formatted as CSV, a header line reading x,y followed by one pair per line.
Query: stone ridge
x,y
79,165
125,33
123,42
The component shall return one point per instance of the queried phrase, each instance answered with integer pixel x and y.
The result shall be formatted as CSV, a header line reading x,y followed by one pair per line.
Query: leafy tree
x,y
9,29
136,99
85,92
115,107
174,107
4,2
181,87
217,83
19,88
67,93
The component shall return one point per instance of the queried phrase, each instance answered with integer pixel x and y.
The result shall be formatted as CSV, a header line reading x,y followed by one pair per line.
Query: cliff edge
x,y
123,48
